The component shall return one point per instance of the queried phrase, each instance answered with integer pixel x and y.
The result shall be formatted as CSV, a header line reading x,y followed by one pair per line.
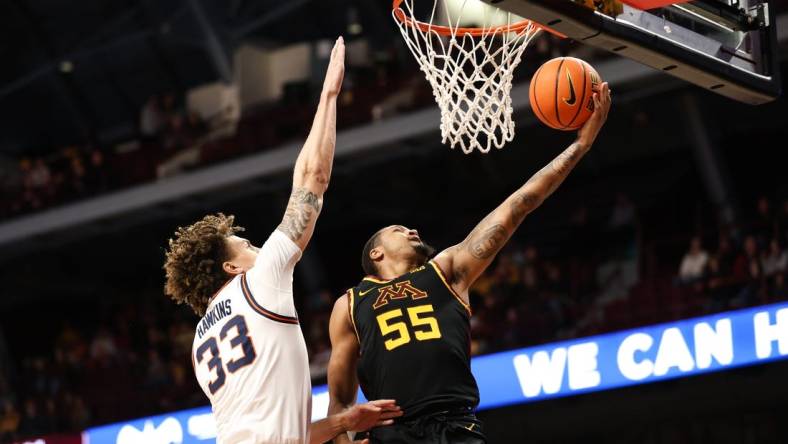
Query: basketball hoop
x,y
470,72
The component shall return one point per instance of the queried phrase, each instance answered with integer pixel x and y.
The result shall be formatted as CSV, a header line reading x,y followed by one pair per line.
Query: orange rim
x,y
475,32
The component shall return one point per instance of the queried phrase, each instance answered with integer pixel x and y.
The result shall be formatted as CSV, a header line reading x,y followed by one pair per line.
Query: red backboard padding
x,y
651,4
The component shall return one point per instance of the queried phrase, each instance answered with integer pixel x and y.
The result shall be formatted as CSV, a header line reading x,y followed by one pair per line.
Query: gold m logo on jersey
x,y
397,290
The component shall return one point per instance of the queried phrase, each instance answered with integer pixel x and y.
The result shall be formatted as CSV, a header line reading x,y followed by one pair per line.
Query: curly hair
x,y
193,263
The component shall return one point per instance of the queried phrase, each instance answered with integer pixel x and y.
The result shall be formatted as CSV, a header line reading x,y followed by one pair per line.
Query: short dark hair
x,y
366,262
194,261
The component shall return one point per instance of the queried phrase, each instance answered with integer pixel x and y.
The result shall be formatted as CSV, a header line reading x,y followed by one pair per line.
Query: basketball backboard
x,y
726,46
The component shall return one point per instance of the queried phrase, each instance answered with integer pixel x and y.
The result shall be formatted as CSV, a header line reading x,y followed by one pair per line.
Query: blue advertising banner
x,y
648,354
638,356
186,426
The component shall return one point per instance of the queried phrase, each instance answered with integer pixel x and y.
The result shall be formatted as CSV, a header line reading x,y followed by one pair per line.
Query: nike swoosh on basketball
x,y
362,293
572,98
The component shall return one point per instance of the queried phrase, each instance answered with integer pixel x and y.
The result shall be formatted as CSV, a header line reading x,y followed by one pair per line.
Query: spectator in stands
x,y
41,177
775,260
582,234
507,276
5,364
762,225
196,125
530,286
745,259
582,237
152,117
182,337
51,415
77,175
725,254
74,348
321,352
718,284
11,181
177,135
103,350
157,374
747,272
78,414
320,302
693,265
555,294
778,290
32,423
181,144
531,256
30,198
5,391
486,324
181,383
782,221
9,421
170,107
96,178
623,214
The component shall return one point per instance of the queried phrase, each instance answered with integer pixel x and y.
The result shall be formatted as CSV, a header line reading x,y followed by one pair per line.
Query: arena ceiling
x,y
78,72
75,72
120,52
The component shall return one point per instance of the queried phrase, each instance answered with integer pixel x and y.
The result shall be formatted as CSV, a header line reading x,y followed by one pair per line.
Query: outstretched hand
x,y
362,417
602,100
336,69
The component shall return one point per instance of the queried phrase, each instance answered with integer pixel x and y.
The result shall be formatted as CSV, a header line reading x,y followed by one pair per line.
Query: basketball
x,y
561,92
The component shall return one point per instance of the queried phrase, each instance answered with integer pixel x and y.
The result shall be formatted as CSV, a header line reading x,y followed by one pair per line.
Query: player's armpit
x,y
342,380
267,286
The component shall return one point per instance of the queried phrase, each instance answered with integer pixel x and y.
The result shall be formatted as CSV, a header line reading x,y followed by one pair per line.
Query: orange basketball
x,y
561,94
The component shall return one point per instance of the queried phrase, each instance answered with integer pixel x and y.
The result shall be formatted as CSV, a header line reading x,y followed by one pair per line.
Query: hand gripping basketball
x,y
602,101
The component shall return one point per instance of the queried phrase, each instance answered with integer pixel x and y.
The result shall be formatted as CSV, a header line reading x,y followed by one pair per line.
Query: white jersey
x,y
250,357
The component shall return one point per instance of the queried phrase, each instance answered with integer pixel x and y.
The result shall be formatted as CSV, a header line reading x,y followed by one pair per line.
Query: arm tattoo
x,y
567,160
302,205
551,176
486,244
523,203
494,230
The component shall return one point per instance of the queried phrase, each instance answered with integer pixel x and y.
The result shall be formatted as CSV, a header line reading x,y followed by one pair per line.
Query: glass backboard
x,y
726,46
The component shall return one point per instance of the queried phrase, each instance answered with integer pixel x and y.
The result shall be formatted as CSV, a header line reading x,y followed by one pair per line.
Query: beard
x,y
425,251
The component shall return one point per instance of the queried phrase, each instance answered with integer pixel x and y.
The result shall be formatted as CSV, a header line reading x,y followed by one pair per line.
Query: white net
x,y
470,73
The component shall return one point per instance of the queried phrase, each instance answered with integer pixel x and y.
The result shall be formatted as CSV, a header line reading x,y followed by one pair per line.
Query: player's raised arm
x,y
313,166
466,261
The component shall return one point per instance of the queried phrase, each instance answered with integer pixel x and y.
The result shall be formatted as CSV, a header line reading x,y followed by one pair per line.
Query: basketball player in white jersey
x,y
249,354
